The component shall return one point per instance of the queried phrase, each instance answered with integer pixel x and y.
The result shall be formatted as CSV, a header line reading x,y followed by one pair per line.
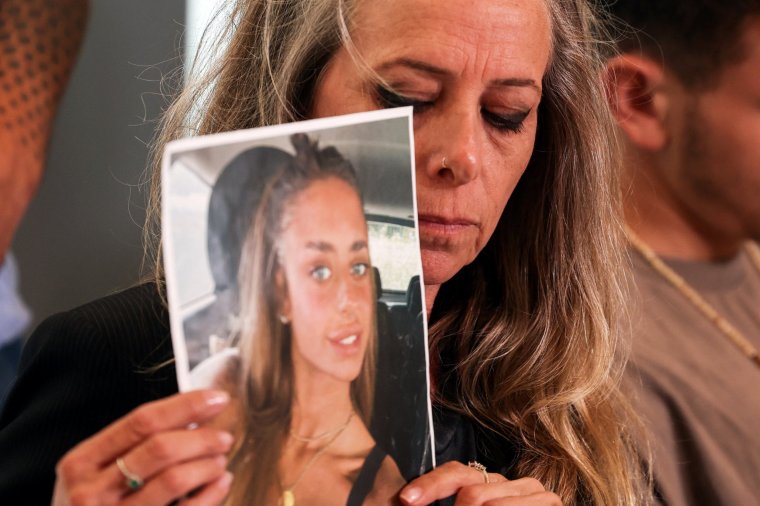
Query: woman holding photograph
x,y
306,368
520,231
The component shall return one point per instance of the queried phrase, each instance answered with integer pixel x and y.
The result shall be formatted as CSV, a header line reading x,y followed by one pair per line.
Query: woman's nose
x,y
454,144
346,295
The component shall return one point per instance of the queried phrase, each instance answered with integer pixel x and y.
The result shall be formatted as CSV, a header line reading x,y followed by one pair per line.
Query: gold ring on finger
x,y
479,467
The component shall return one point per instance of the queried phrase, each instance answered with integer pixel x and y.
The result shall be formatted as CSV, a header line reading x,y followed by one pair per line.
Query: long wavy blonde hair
x,y
535,323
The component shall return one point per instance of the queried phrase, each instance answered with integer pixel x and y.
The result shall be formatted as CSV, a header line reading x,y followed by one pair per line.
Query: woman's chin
x,y
439,266
345,373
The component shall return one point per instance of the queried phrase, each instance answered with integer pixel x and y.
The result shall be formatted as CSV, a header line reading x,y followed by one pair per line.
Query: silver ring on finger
x,y
480,467
133,481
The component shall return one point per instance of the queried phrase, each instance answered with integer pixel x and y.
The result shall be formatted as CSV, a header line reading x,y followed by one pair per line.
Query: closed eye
x,y
388,98
510,122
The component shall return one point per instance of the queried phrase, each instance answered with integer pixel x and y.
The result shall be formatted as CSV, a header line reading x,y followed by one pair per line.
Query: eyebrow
x,y
441,72
359,245
324,247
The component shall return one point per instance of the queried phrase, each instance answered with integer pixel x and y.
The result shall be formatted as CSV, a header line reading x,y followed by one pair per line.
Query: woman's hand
x,y
470,488
157,446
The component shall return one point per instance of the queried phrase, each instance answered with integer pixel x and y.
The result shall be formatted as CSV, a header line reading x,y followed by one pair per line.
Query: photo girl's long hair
x,y
266,376
538,328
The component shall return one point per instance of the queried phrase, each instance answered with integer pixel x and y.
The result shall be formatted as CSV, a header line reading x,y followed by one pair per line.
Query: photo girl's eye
x,y
321,273
359,269
388,99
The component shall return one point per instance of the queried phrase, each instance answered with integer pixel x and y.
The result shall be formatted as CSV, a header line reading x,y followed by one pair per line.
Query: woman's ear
x,y
283,299
638,99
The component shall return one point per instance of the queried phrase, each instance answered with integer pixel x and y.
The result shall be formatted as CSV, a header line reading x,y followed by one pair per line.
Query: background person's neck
x,y
673,229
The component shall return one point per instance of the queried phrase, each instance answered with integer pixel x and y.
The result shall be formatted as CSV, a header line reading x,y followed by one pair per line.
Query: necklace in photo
x,y
288,494
324,435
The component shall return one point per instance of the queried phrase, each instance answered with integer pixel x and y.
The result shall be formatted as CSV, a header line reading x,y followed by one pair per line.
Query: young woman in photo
x,y
303,381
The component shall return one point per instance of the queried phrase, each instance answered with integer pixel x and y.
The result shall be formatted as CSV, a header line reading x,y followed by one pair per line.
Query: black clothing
x,y
457,438
366,479
80,371
84,368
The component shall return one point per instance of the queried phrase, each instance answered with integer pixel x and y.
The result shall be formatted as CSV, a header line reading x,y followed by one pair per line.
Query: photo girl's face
x,y
473,71
325,267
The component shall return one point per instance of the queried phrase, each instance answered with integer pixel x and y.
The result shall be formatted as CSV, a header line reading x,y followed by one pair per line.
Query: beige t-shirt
x,y
698,394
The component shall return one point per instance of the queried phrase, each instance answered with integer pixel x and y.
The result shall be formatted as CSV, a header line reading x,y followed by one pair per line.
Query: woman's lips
x,y
346,340
440,225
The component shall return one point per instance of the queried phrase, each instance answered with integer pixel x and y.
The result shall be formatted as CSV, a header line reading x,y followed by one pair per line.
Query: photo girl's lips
x,y
445,226
346,340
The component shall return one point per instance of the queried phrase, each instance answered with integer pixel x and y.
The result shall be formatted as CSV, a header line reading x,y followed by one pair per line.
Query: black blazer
x,y
80,371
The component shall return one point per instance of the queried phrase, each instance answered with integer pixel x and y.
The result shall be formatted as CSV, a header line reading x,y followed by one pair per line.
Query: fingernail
x,y
217,397
410,495
226,479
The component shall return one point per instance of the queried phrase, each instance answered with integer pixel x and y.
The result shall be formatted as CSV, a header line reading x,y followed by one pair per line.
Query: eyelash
x,y
513,123
390,99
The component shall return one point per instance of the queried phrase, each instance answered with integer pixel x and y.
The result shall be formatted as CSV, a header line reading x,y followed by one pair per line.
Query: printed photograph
x,y
293,277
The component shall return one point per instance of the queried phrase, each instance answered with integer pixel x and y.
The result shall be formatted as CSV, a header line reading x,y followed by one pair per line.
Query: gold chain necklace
x,y
288,495
325,434
680,284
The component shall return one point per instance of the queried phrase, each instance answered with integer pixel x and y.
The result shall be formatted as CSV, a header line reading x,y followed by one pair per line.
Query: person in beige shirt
x,y
685,90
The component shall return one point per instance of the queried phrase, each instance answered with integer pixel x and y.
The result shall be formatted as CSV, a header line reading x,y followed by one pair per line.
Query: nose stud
x,y
444,164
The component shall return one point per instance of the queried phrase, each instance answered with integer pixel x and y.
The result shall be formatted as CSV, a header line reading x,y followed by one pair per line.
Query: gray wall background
x,y
81,237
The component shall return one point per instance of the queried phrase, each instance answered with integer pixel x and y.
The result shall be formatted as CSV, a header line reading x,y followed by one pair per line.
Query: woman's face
x,y
472,69
325,265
